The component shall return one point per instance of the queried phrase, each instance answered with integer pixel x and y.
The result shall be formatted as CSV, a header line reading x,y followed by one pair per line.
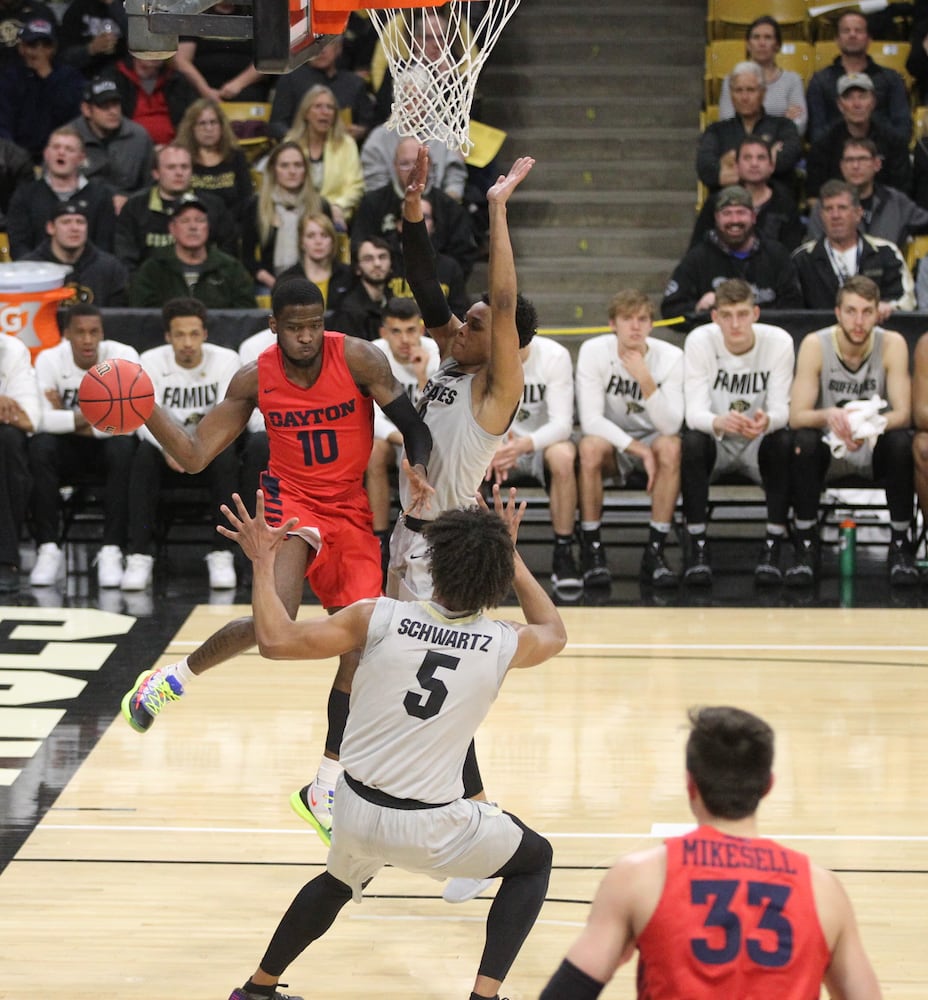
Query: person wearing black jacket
x,y
732,249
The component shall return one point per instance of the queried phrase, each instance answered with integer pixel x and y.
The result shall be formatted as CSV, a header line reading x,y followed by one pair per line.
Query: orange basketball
x,y
116,396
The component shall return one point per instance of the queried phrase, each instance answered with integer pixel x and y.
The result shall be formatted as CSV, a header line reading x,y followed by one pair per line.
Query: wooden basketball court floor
x,y
162,868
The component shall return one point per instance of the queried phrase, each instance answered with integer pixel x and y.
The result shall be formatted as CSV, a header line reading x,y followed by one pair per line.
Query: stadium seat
x,y
733,16
914,250
249,121
890,54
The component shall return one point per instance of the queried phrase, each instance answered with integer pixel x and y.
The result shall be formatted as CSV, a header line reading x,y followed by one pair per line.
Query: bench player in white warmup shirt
x,y
428,674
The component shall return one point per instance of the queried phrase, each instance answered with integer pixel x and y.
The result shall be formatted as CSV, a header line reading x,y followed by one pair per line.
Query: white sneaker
x,y
137,574
314,804
221,570
460,890
49,563
109,566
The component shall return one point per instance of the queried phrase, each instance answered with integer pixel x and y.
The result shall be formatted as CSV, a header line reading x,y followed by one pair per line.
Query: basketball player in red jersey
x,y
315,389
720,911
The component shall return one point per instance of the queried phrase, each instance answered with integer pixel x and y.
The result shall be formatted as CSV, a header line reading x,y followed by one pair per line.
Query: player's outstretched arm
x,y
850,975
279,636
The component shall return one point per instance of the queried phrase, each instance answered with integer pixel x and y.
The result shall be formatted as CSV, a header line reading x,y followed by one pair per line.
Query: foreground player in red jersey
x,y
721,912
315,389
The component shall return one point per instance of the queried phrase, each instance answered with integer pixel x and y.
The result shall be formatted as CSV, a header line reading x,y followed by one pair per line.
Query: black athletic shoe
x,y
564,572
901,563
654,569
593,565
767,572
698,570
804,571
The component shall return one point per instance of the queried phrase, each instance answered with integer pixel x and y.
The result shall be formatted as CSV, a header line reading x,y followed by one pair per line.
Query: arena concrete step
x,y
593,79
582,111
598,241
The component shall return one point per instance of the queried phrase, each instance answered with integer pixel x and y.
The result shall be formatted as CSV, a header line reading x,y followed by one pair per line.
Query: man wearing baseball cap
x,y
119,151
191,267
732,249
892,101
857,105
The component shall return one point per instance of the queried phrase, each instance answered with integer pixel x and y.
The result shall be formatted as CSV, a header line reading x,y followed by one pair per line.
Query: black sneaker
x,y
9,579
901,563
767,571
250,992
698,570
593,565
654,569
564,572
804,571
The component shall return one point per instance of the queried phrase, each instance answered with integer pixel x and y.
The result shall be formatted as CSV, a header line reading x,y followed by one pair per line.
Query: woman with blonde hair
x,y
219,166
270,227
335,165
319,261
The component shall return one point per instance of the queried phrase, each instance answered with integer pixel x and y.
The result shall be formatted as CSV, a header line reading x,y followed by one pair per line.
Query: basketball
x,y
116,396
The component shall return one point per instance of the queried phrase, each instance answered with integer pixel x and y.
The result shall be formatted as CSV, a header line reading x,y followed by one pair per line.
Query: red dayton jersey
x,y
320,438
736,919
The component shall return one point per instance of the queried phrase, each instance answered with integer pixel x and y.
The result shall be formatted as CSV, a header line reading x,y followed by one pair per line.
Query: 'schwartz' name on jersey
x,y
714,854
195,397
741,383
438,635
307,418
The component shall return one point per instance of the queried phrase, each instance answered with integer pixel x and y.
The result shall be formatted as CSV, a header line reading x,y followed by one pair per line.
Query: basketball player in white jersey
x,y
630,402
429,672
852,360
538,447
65,445
736,389
413,358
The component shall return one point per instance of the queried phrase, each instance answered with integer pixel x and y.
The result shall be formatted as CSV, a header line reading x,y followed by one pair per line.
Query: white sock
x,y
181,670
328,773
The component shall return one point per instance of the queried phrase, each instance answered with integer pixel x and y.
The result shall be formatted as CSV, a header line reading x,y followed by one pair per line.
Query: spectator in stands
x,y
96,276
360,311
14,14
94,34
222,69
381,208
15,169
153,94
856,103
736,391
732,249
916,63
776,214
448,271
784,93
270,225
117,151
33,205
891,99
19,417
219,166
848,363
319,261
334,164
190,267
66,446
190,378
718,145
413,358
350,92
920,172
39,93
630,403
887,213
142,225
824,265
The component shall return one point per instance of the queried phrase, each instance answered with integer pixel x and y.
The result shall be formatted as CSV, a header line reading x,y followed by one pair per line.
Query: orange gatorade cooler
x,y
30,293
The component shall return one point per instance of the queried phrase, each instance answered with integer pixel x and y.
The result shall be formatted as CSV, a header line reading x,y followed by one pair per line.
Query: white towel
x,y
867,424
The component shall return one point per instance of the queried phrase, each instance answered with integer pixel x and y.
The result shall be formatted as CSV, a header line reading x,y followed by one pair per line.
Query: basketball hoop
x,y
435,60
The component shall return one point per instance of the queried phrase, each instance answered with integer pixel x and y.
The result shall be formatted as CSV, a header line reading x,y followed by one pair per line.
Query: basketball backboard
x,y
289,32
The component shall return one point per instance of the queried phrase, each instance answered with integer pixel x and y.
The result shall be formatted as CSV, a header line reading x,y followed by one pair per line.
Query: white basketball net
x,y
435,62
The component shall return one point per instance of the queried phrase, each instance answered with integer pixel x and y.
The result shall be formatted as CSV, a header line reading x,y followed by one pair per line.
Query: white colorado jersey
x,y
383,425
17,376
55,369
609,400
461,448
718,381
424,684
188,393
546,413
838,385
248,351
